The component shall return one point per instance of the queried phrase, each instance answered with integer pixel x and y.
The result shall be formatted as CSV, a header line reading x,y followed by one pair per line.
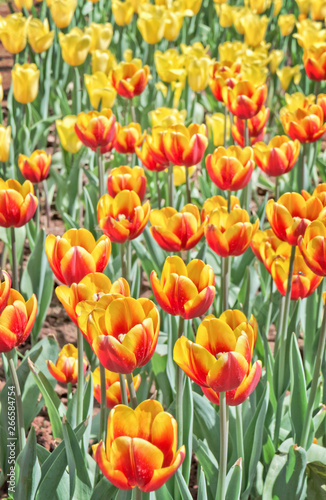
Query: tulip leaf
x,y
90,221
79,481
20,235
162,493
27,470
202,488
104,490
316,484
162,382
135,280
157,254
188,411
233,481
38,278
123,495
207,461
144,258
206,421
88,401
185,493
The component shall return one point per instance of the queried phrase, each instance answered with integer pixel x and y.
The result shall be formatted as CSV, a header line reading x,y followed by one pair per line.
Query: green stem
x,y
14,259
314,384
225,126
123,262
229,200
103,403
247,190
123,389
80,384
19,404
302,170
158,190
225,283
47,204
132,392
188,185
137,494
69,390
179,390
128,259
100,165
171,185
37,214
221,485
239,426
277,188
132,112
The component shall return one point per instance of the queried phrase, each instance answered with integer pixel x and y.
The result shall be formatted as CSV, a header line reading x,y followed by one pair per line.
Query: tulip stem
x,y
19,404
179,389
37,214
123,261
123,389
247,190
102,404
100,165
14,259
229,201
47,204
277,188
225,283
132,392
302,170
310,408
68,392
158,190
80,383
239,427
137,494
128,259
225,126
171,185
132,112
188,185
221,485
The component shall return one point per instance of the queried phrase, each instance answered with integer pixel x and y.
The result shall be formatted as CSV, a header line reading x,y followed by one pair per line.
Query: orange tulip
x,y
17,203
141,447
216,202
96,129
304,281
223,74
265,246
305,124
36,167
230,169
149,159
66,368
230,233
220,357
256,127
245,99
113,388
16,320
175,231
129,79
187,291
92,287
128,137
314,60
123,217
127,178
4,290
122,331
278,157
76,254
185,146
312,246
319,192
291,214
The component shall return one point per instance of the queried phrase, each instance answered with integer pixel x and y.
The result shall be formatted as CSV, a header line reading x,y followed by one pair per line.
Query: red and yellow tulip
x,y
245,99
278,157
36,167
127,178
128,138
130,79
96,129
231,168
185,146
4,290
17,203
312,246
256,127
305,124
223,74
265,246
314,60
113,388
65,370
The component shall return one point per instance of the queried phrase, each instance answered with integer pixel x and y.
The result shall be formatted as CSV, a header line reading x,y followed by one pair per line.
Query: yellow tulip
x,y
39,35
136,4
62,12
286,23
177,88
276,57
161,87
215,125
67,135
255,73
179,174
122,12
254,29
13,32
258,6
23,3
277,7
25,80
5,135
165,117
173,24
197,50
169,65
304,6
228,51
239,16
74,46
191,7
103,60
287,74
100,90
318,10
298,100
151,23
309,33
225,14
198,75
101,35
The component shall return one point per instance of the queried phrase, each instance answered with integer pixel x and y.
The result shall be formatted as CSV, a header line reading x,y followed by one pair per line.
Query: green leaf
x,y
28,469
161,378
185,493
188,411
104,490
233,481
206,421
162,493
90,221
316,484
202,488
135,280
157,254
208,462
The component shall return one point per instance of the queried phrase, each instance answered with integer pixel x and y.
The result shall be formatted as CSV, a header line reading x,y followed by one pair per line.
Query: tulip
x,y
74,46
128,138
122,12
317,10
312,246
126,178
39,35
151,23
62,12
92,287
103,61
229,51
76,254
113,388
179,174
25,81
13,32
230,169
186,291
216,125
291,214
198,73
175,231
16,320
36,167
197,50
143,451
66,368
309,34
123,217
314,60
156,145
287,74
319,192
20,4
100,90
5,136
4,290
304,281
169,65
172,24
229,233
96,129
101,36
123,332
216,202
165,117
185,146
286,23
306,125
129,79
265,246
254,28
244,100
278,157
67,135
148,159
256,127
17,203
298,100
191,6
259,6
276,57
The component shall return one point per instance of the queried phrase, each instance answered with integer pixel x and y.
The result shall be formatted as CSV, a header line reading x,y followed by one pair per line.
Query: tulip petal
x,y
160,476
116,477
113,355
228,372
